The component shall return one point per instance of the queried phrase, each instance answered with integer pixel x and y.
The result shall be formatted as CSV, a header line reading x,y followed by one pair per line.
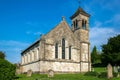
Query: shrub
x,y
91,74
99,65
115,74
7,70
103,75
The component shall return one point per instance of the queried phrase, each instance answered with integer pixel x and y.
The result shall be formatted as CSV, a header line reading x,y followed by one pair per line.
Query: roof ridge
x,y
54,27
79,11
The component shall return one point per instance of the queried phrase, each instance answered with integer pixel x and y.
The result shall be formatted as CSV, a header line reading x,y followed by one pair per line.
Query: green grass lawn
x,y
77,76
100,69
58,77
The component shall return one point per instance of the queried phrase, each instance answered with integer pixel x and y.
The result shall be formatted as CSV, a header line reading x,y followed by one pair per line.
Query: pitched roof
x,y
33,44
79,11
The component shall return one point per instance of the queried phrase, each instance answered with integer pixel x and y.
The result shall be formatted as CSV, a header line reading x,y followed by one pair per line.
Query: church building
x,y
64,49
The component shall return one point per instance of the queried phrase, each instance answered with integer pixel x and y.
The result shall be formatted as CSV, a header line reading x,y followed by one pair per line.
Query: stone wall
x,y
84,52
50,53
85,57
84,67
82,35
33,66
59,66
56,66
30,55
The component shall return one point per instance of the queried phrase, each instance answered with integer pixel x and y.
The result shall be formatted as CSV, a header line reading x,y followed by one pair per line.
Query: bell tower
x,y
80,24
80,28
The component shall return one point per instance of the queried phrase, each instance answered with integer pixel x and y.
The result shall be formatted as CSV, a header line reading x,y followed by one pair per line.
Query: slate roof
x,y
36,42
79,11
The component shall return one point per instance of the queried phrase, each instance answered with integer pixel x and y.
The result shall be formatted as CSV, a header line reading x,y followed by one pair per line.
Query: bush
x,y
99,65
115,74
91,74
7,70
103,75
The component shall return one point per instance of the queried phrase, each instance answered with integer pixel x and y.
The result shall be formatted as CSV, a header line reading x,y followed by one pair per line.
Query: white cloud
x,y
99,34
12,49
12,43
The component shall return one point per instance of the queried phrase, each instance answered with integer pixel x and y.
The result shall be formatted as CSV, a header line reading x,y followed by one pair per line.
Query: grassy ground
x,y
80,76
100,69
59,77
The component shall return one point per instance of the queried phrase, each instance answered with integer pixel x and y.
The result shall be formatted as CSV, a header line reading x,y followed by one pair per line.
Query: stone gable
x,y
62,30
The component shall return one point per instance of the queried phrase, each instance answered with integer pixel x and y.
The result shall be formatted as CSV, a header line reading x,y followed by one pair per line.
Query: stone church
x,y
64,49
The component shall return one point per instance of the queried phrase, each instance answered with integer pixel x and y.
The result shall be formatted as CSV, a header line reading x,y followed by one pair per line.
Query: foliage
x,y
111,51
2,55
95,56
103,75
103,72
91,74
98,65
115,74
7,70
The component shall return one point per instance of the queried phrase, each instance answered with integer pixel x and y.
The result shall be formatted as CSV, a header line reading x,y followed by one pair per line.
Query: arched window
x,y
75,23
28,57
37,53
33,55
69,52
83,24
23,59
63,48
56,50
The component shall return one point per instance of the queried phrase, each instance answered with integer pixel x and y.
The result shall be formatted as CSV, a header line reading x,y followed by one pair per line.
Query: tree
x,y
2,55
111,51
95,56
7,70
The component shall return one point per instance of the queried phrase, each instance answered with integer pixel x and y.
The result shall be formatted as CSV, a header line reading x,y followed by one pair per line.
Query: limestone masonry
x,y
62,50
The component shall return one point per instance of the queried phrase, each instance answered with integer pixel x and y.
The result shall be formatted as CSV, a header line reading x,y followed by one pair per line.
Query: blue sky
x,y
22,21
